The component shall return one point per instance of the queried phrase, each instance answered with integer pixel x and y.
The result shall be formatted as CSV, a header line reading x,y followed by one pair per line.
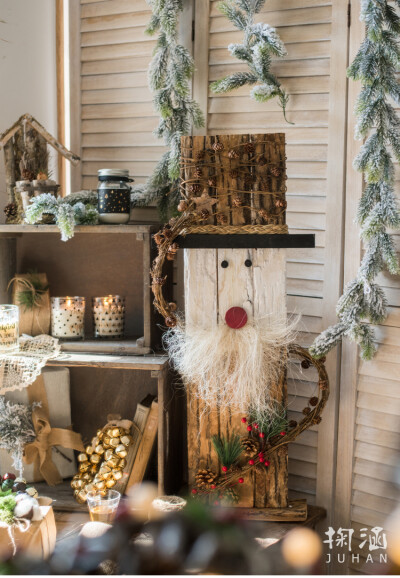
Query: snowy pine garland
x,y
169,74
261,42
376,63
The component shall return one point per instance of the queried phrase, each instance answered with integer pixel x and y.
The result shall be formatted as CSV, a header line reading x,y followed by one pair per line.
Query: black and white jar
x,y
114,196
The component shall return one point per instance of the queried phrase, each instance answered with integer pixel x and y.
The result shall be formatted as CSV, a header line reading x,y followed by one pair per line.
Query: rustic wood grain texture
x,y
232,175
296,511
260,290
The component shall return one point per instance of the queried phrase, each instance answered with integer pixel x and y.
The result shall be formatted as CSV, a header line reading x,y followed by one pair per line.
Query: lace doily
x,y
20,369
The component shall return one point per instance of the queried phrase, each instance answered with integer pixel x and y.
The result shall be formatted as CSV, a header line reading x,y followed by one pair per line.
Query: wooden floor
x,y
71,516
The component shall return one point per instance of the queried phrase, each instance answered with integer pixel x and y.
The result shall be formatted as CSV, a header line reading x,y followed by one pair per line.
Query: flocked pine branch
x,y
170,72
260,44
363,302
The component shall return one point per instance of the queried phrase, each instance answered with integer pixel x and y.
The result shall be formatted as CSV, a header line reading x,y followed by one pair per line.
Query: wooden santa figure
x,y
233,344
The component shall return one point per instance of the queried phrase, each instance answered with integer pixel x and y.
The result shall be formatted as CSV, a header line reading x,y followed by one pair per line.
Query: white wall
x,y
27,68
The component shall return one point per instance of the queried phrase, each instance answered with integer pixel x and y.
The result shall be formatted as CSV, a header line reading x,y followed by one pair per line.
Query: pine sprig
x,y
75,209
271,424
169,74
30,296
228,449
261,42
375,65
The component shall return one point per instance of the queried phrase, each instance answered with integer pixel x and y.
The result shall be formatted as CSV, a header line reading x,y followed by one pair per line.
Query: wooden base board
x,y
295,512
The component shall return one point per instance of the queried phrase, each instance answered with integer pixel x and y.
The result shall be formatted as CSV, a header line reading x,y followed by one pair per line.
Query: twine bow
x,y
39,452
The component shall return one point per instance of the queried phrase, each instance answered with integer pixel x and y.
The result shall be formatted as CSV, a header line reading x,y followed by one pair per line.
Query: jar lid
x,y
113,173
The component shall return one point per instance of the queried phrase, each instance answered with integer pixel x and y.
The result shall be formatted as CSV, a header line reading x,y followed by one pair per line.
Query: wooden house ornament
x,y
234,233
26,157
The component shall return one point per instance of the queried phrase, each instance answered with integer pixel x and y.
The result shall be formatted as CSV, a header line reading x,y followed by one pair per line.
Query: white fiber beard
x,y
229,368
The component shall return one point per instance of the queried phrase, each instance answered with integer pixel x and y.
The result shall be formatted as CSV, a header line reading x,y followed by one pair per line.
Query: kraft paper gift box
x,y
36,320
57,391
36,542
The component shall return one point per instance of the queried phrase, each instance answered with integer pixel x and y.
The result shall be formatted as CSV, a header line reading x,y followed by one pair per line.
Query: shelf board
x,y
103,346
150,363
130,228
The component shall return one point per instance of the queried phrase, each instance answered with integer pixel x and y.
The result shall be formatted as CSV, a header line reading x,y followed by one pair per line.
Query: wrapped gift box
x,y
57,386
36,542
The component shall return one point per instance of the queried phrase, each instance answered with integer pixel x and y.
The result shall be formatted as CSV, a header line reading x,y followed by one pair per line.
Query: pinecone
x,y
197,173
204,214
218,146
195,188
11,211
263,214
280,204
27,175
249,147
222,219
305,364
306,410
205,479
200,155
276,171
292,424
250,447
313,401
237,202
230,496
233,154
212,182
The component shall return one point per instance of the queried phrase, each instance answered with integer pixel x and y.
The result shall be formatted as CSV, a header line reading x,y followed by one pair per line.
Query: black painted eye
x,y
248,263
224,264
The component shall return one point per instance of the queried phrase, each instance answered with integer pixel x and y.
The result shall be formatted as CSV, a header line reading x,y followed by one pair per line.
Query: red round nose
x,y
236,317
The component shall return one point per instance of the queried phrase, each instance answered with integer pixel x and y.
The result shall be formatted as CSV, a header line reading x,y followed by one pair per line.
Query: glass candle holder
x,y
109,316
9,328
68,317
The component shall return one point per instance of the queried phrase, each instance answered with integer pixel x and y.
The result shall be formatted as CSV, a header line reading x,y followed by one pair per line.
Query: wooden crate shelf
x,y
132,346
153,363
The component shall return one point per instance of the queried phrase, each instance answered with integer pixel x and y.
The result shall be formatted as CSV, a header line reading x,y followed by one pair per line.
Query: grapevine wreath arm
x,y
167,249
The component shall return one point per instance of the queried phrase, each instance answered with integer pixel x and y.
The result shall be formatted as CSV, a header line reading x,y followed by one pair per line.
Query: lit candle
x,y
68,317
9,328
109,316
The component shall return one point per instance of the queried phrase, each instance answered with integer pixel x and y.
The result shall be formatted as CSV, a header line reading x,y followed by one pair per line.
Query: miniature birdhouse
x,y
26,158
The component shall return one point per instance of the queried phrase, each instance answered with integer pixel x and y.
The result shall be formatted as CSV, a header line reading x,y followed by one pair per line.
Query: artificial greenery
x,y
260,44
7,505
33,291
271,424
228,449
363,302
75,209
170,72
16,429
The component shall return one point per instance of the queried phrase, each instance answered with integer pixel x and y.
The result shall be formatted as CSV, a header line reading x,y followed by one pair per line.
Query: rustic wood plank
x,y
133,228
109,361
296,511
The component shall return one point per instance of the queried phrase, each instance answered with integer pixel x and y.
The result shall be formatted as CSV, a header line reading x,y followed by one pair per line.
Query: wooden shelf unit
x,y
11,239
76,267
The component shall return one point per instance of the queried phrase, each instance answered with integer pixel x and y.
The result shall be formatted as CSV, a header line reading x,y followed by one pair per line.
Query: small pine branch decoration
x,y
75,209
31,295
271,424
261,43
228,449
169,74
376,63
